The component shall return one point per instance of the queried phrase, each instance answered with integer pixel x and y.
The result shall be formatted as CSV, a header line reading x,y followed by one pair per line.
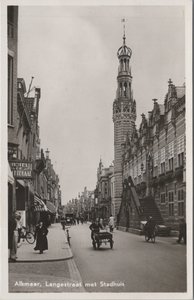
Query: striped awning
x,y
39,205
51,208
10,175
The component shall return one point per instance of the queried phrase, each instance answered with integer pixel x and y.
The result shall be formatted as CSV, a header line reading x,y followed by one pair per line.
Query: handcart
x,y
102,237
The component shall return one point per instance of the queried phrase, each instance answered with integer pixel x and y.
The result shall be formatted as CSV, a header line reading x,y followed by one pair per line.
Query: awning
x,y
21,182
10,175
39,205
52,209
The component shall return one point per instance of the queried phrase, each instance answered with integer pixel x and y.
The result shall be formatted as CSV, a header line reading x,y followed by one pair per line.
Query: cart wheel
x,y
94,245
98,244
146,238
30,238
111,244
153,238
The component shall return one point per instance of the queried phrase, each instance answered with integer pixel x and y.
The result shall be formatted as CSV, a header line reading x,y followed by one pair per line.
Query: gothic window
x,y
180,150
121,64
170,164
124,64
120,89
125,89
162,198
171,204
180,203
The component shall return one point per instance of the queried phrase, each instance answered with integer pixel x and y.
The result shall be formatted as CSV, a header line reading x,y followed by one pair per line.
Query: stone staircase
x,y
149,208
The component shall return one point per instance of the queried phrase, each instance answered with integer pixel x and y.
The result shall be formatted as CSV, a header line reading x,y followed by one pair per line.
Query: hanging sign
x,y
21,169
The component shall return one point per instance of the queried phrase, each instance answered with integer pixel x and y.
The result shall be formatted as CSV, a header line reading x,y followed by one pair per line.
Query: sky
x,y
72,53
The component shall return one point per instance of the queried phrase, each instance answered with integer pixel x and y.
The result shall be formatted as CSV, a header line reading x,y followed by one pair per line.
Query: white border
x,y
189,159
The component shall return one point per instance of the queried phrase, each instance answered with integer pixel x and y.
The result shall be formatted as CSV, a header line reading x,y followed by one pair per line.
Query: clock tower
x,y
124,116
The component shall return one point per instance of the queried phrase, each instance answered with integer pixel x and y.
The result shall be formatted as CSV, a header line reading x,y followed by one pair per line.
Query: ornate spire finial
x,y
123,21
155,100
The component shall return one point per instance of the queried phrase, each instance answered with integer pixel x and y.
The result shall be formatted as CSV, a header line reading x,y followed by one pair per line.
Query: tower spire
x,y
123,21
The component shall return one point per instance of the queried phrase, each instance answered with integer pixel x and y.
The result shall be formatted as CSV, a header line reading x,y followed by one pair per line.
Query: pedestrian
x,y
19,227
12,237
41,237
111,223
182,231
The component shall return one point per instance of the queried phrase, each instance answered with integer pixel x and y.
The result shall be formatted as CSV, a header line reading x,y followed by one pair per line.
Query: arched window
x,y
125,89
124,64
121,64
120,89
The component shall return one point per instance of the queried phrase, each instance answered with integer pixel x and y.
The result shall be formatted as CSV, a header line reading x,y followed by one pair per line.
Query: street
x,y
133,265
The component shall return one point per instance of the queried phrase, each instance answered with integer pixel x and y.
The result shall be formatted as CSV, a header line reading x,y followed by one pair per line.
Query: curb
x,y
43,260
67,257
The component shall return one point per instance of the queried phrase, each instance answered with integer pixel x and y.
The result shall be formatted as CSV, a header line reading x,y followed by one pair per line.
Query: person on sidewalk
x,y
12,237
182,231
41,237
111,223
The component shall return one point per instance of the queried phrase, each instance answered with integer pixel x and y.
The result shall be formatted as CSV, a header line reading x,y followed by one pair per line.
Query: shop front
x,y
11,193
52,211
39,211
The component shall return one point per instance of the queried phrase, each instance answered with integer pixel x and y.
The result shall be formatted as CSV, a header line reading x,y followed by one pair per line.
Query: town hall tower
x,y
124,116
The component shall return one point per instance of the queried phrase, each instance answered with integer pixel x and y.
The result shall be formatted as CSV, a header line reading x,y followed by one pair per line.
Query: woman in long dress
x,y
41,237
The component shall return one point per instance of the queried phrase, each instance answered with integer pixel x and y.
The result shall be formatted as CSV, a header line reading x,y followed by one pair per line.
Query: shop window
x,y
162,198
171,204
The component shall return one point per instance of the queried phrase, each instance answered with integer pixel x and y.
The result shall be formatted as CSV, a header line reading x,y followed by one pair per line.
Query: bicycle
x,y
68,236
150,236
27,235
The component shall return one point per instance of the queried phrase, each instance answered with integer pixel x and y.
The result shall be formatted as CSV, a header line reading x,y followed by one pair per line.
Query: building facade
x,y
12,41
154,159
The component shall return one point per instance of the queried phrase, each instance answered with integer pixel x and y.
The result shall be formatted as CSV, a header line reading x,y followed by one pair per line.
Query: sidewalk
x,y
58,247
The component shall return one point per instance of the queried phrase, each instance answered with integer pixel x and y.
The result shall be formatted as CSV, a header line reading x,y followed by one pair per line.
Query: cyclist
x,y
150,227
95,228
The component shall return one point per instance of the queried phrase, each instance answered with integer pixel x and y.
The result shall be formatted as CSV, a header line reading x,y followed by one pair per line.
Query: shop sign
x,y
21,169
12,151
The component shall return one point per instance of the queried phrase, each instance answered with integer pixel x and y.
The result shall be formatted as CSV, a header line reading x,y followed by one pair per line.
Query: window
x,y
180,159
162,168
171,203
156,159
180,149
162,198
120,89
171,149
10,13
181,208
125,89
10,90
170,164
